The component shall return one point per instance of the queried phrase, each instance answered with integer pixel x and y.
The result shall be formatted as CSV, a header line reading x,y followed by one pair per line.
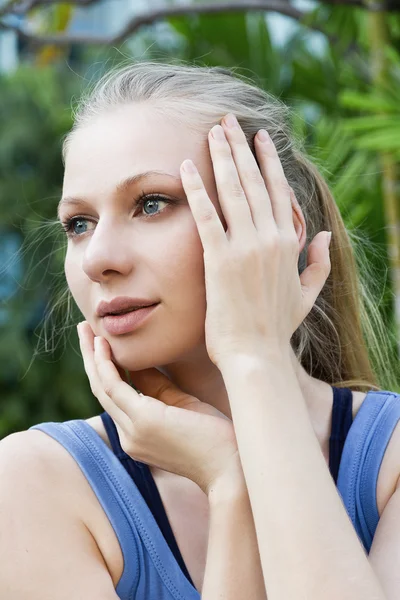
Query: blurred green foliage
x,y
34,115
335,107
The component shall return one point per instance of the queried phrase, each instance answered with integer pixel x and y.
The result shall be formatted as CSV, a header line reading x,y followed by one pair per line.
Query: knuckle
x,y
111,388
206,216
273,242
237,190
254,176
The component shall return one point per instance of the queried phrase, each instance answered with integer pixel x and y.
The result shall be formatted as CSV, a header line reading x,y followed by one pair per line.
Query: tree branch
x,y
150,17
20,7
386,6
345,2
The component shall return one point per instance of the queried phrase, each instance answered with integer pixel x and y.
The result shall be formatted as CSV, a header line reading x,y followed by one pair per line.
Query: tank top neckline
x,y
143,478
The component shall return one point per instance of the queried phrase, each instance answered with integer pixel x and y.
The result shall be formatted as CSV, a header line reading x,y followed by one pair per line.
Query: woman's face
x,y
116,251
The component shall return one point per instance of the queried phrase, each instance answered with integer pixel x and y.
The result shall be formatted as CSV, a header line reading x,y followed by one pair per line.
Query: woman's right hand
x,y
166,428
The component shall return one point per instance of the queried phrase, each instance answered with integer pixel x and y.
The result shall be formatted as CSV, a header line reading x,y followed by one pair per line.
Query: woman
x,y
219,477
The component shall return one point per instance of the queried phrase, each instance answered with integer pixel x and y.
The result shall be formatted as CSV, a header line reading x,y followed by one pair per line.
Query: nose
x,y
109,251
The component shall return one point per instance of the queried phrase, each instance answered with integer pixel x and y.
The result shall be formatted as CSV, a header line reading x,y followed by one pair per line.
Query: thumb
x,y
317,271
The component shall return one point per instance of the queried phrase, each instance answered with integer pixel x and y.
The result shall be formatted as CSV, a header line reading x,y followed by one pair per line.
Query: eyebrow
x,y
122,186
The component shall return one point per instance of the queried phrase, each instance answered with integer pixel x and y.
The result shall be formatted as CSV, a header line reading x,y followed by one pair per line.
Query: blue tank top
x,y
342,419
153,564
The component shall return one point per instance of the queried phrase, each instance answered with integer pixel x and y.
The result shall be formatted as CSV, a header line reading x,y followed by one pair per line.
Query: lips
x,y
128,310
130,321
123,304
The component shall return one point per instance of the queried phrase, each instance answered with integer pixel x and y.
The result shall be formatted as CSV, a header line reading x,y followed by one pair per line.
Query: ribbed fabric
x,y
362,456
151,571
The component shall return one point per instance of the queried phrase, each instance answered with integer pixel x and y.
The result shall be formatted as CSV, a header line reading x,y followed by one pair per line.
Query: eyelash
x,y
69,221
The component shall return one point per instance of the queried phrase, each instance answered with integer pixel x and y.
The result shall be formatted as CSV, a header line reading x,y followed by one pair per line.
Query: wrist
x,y
229,486
271,356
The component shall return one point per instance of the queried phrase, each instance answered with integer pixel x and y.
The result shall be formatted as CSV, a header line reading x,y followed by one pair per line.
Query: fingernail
x,y
218,133
231,120
263,136
189,166
328,238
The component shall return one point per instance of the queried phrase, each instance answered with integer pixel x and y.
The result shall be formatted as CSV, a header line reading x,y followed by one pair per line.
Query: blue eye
x,y
70,222
155,199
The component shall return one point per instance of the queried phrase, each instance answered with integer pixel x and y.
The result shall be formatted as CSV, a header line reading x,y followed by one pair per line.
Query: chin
x,y
157,347
130,364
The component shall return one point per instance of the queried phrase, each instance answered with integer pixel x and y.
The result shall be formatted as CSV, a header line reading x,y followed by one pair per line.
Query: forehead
x,y
129,140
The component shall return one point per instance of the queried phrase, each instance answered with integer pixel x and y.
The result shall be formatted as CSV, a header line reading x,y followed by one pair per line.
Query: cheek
x,y
70,274
185,257
74,279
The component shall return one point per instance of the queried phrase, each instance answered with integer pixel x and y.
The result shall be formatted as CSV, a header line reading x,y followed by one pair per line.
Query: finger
x,y
86,342
231,195
277,184
122,396
209,226
154,383
317,272
249,173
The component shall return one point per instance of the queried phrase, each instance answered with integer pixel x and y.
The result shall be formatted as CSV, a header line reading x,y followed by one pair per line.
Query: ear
x,y
298,221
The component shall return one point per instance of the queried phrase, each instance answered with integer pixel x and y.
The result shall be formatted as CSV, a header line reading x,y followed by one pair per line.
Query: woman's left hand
x,y
255,297
166,428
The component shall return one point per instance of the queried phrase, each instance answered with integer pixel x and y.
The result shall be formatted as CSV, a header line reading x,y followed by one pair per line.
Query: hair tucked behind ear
x,y
343,339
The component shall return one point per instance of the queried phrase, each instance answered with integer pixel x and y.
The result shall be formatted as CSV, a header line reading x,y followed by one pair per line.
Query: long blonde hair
x,y
343,340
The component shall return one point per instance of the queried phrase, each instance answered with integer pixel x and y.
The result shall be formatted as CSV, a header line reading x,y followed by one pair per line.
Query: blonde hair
x,y
343,341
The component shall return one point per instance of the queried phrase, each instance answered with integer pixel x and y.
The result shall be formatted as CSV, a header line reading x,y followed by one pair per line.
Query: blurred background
x,y
336,63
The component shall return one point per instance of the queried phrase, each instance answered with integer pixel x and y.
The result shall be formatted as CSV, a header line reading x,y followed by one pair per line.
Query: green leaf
x,y
371,103
371,123
384,139
264,59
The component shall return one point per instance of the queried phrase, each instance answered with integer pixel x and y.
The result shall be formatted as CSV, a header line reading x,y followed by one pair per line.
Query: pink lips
x,y
119,324
122,303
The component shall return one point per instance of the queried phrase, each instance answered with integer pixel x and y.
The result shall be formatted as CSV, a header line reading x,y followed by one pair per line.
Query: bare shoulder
x,y
40,464
46,550
34,459
31,453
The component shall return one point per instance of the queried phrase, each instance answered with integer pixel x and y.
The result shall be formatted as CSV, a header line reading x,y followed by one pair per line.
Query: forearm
x,y
308,546
233,568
